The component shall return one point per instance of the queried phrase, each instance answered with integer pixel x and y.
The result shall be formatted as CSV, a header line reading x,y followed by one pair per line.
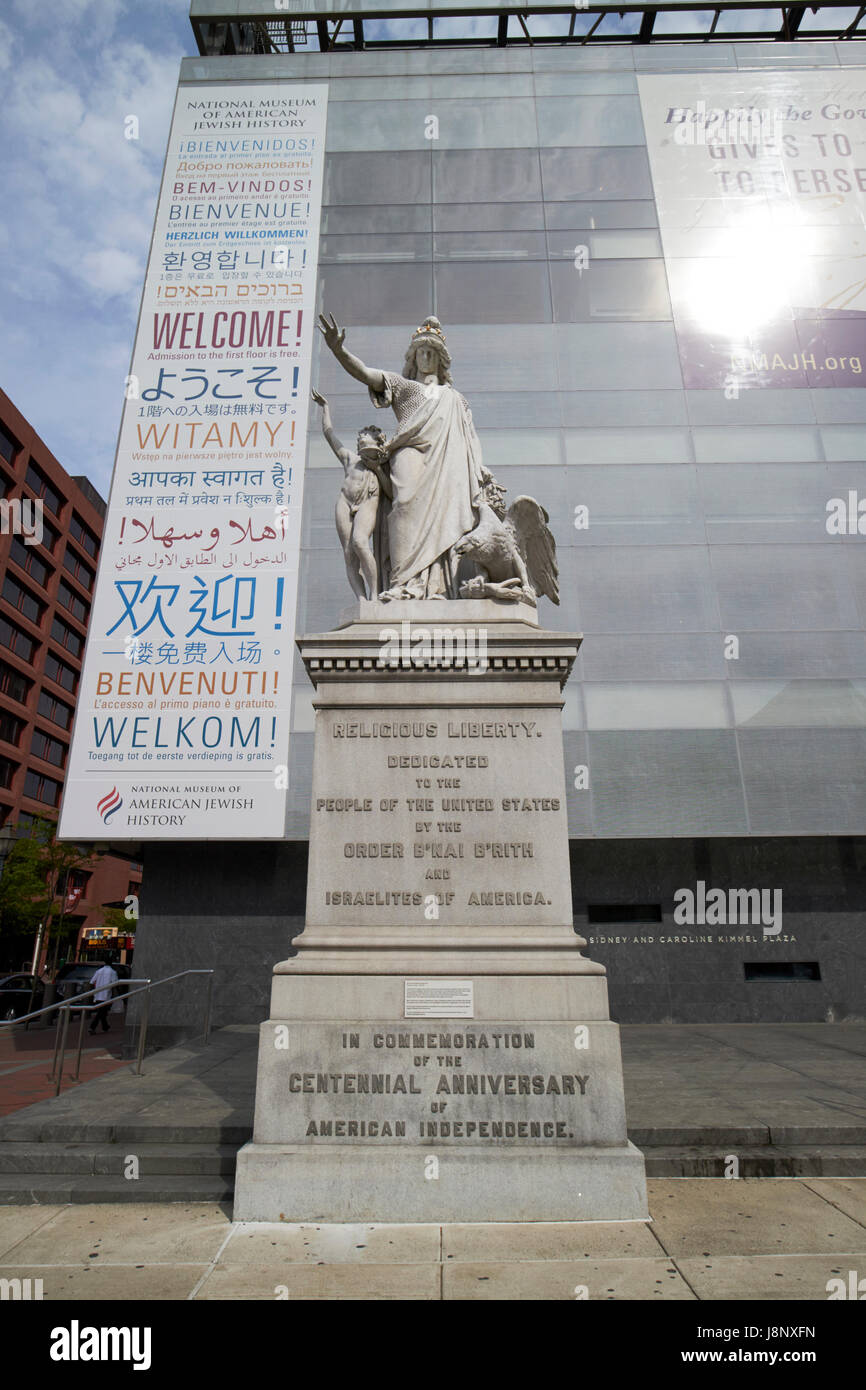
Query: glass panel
x,y
354,221
653,656
488,217
481,176
844,404
365,178
799,703
487,292
592,120
844,441
601,356
763,407
776,502
585,84
596,173
792,654
623,589
621,245
598,407
661,705
357,247
634,505
609,290
500,123
627,445
764,444
666,783
496,246
803,781
382,294
781,587
520,449
599,215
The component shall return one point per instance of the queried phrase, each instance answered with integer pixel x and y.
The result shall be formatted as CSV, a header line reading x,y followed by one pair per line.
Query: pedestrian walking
x,y
102,981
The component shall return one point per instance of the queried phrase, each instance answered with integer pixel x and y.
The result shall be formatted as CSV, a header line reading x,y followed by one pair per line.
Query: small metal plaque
x,y
446,998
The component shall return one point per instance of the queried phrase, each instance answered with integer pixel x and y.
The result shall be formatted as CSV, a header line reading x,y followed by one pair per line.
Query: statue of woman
x,y
434,461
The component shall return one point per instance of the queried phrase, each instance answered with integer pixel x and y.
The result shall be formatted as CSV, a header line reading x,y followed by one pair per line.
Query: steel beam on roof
x,y
256,30
646,26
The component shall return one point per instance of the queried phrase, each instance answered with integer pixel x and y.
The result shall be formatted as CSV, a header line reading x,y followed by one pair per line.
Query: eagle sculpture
x,y
514,551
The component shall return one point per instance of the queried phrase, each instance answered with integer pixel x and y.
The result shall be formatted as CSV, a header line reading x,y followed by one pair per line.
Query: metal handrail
x,y
75,1002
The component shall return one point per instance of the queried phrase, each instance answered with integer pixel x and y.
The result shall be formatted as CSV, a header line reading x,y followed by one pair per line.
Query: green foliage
x,y
34,880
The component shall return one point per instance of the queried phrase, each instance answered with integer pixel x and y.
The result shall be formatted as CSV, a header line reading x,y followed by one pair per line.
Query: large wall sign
x,y
760,182
182,724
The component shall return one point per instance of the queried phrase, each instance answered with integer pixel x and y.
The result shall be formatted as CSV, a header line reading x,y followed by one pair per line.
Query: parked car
x,y
15,992
74,979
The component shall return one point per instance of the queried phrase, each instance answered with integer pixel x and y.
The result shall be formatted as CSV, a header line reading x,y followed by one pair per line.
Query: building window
x,y
37,480
77,607
13,684
51,750
72,641
17,641
78,569
22,599
57,670
41,788
7,772
8,446
10,728
26,557
52,709
50,536
85,538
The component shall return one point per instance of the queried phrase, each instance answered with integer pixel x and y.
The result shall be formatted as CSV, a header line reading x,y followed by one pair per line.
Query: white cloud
x,y
78,207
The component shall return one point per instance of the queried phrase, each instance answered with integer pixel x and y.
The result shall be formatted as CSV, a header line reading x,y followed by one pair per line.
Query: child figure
x,y
357,506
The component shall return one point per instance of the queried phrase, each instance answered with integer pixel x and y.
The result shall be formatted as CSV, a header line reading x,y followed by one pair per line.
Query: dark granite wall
x,y
235,907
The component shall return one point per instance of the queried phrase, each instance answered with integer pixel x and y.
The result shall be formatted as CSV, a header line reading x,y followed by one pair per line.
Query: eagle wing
x,y
529,520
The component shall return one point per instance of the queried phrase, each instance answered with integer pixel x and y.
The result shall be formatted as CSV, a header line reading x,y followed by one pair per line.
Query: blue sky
x,y
78,205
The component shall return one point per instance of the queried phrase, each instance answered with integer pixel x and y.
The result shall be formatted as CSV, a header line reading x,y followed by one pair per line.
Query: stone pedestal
x,y
439,1049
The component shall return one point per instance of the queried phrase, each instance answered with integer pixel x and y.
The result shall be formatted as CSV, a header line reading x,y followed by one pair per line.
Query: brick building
x,y
45,592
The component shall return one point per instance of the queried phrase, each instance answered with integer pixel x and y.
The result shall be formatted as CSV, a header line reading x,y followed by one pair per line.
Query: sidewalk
x,y
25,1061
709,1239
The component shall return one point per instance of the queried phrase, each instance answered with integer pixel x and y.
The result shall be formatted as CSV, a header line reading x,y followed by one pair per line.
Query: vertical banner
x,y
760,184
183,712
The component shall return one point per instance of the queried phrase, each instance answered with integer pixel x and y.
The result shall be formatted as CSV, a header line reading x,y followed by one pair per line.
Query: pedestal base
x,y
278,1183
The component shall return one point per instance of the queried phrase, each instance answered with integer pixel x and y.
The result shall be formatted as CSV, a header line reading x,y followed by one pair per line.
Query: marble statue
x,y
513,551
444,511
357,510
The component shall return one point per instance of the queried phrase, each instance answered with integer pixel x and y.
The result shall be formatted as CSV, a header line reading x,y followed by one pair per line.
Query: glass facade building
x,y
718,706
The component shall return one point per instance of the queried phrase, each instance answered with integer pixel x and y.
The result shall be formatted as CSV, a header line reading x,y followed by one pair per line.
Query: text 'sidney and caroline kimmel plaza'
x,y
479,621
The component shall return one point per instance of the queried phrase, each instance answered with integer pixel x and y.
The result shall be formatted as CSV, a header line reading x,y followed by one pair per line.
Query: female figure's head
x,y
427,353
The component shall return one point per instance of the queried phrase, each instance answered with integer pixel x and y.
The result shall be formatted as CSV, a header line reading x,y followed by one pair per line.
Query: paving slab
x,y
548,1240
848,1194
565,1280
126,1283
716,1216
18,1222
759,1278
302,1283
125,1235
260,1243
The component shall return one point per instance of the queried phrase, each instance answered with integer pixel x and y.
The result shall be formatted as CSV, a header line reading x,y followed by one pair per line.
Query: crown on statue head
x,y
430,330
